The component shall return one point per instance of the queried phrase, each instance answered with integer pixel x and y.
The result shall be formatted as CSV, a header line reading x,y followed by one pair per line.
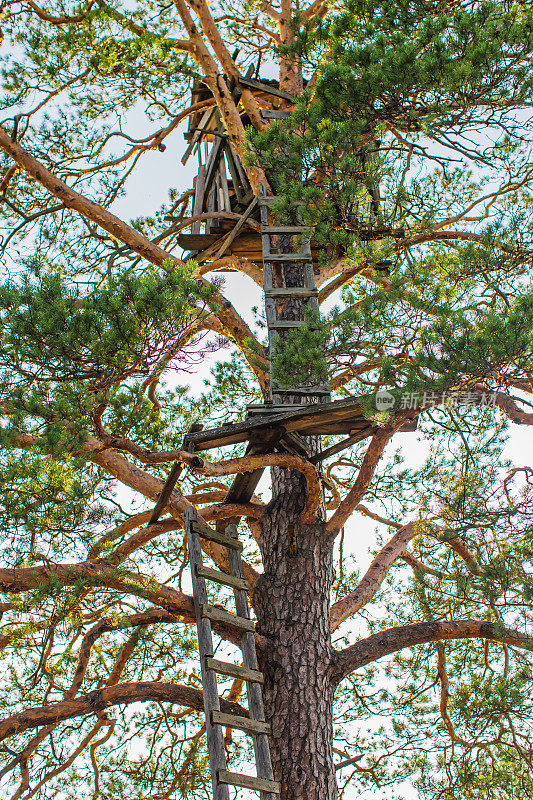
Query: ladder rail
x,y
215,739
254,692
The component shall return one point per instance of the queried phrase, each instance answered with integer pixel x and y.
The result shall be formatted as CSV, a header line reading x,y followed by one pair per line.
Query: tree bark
x,y
292,605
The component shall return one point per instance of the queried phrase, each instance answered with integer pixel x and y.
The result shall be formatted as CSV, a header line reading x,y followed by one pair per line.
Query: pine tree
x,y
404,142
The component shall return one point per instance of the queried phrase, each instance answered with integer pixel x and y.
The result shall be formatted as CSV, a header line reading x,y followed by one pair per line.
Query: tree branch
x,y
98,700
373,578
365,475
393,639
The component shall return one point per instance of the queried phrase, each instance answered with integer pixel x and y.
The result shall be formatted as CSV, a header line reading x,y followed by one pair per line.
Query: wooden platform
x,y
323,419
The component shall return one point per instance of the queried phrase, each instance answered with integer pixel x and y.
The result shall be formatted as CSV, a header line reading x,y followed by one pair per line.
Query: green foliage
x,y
299,356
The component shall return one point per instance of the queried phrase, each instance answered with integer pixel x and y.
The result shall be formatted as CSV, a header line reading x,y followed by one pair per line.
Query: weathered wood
x,y
234,670
275,91
206,118
222,577
248,782
205,532
225,204
293,291
339,416
237,183
219,615
304,390
166,491
251,726
213,163
197,241
297,442
292,323
275,113
199,188
253,690
245,183
279,229
287,257
337,448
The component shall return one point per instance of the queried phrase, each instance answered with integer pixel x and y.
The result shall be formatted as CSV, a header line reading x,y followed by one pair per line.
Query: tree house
x,y
221,186
225,218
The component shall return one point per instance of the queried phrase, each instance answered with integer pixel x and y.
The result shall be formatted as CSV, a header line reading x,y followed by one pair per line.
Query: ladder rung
x,y
225,618
252,726
301,390
273,408
248,782
285,229
205,532
294,291
291,323
288,257
266,200
234,670
222,577
275,113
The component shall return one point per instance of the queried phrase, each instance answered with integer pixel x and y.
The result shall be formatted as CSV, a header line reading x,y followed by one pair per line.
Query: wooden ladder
x,y
306,291
254,725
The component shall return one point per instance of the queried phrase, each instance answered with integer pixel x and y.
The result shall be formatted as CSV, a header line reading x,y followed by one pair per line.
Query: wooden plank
x,y
222,577
245,483
244,486
234,670
291,323
292,291
245,183
166,491
230,160
297,443
272,408
279,229
246,724
225,204
287,257
204,122
225,618
304,390
205,532
275,91
248,782
197,241
199,186
213,163
275,113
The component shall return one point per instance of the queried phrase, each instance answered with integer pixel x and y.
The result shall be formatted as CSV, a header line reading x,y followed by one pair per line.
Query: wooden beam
x,y
338,448
275,91
166,491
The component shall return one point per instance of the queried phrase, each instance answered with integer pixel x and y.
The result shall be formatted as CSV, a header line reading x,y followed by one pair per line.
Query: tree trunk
x,y
292,604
